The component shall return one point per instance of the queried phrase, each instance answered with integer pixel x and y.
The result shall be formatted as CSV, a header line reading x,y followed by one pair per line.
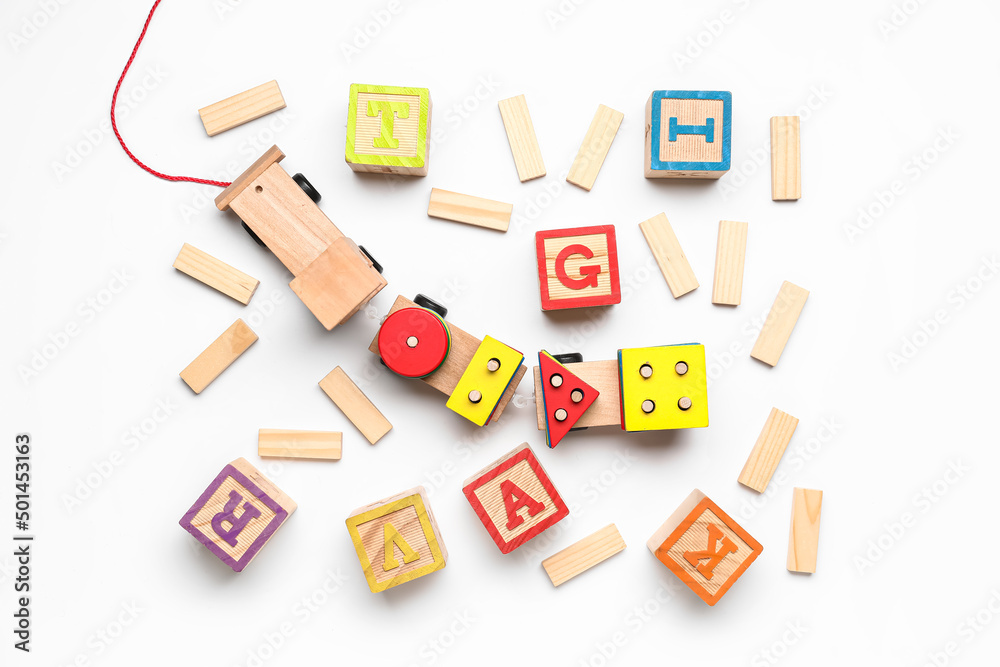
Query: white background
x,y
75,212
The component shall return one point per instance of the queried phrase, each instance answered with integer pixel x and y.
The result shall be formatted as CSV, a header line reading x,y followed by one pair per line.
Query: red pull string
x,y
114,123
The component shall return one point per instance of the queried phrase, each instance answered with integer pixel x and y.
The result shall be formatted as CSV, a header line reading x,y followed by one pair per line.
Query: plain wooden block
x,y
291,444
387,129
215,273
786,180
355,405
602,376
217,357
669,256
470,210
803,535
397,539
237,514
768,450
780,321
730,253
242,108
521,135
583,555
594,149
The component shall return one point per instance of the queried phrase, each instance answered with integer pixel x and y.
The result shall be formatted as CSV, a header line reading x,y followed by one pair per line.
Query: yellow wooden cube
x,y
663,387
485,380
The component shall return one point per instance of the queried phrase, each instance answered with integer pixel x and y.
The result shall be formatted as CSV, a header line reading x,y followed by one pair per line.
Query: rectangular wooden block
x,y
780,321
470,210
578,267
669,256
583,555
768,450
730,252
704,547
688,133
237,514
397,539
803,535
217,357
786,180
283,443
337,283
216,274
521,135
603,376
355,405
594,149
242,108
515,498
387,129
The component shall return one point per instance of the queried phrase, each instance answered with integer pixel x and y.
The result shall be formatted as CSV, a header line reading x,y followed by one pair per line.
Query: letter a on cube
x,y
387,129
578,267
237,514
515,499
704,547
688,133
397,539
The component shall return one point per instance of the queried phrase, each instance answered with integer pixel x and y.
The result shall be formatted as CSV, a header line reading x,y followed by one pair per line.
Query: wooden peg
x,y
242,108
583,555
217,357
216,274
355,405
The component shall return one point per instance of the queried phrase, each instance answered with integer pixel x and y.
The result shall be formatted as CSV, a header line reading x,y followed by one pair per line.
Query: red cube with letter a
x,y
578,267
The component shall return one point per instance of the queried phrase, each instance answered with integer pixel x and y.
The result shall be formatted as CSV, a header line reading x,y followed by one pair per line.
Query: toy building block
x,y
578,267
218,356
281,443
237,514
688,133
727,289
355,405
387,129
664,387
216,274
521,135
514,498
397,539
470,210
596,144
780,321
565,398
803,535
669,256
414,341
768,450
583,555
786,182
334,277
603,376
242,108
704,547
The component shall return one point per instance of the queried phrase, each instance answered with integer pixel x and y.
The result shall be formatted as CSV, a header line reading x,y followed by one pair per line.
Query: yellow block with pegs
x,y
485,380
663,387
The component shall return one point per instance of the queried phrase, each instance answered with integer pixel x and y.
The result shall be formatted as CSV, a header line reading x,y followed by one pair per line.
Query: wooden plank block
x,y
786,180
282,443
217,357
470,210
780,321
583,555
768,450
242,108
803,535
602,376
521,135
594,149
215,273
730,252
355,405
669,256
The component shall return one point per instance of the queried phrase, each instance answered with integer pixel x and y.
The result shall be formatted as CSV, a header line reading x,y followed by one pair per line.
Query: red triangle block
x,y
556,399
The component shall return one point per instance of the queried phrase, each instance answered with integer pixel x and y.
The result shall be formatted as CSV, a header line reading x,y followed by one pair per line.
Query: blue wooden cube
x,y
688,133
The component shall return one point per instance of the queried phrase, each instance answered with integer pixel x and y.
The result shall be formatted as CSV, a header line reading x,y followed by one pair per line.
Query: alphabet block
x,y
688,133
387,129
564,398
578,267
397,539
663,387
485,381
704,547
514,498
237,514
